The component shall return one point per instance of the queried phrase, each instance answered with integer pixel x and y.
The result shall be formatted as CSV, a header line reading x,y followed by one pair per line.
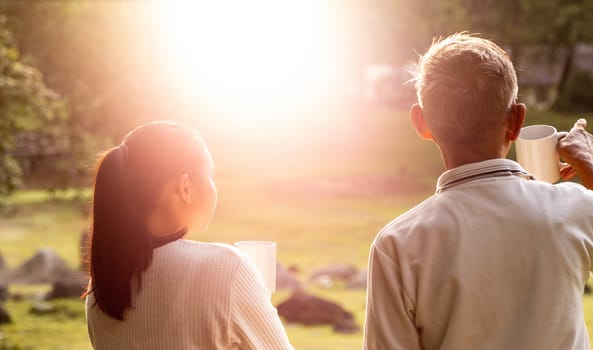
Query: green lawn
x,y
285,194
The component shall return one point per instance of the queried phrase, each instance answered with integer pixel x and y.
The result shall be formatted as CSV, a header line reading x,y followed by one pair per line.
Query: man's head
x,y
467,88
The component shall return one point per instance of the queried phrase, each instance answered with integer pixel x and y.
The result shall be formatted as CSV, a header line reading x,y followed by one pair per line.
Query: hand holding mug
x,y
576,148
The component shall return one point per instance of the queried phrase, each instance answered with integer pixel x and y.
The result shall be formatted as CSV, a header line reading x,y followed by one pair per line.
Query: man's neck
x,y
456,159
458,154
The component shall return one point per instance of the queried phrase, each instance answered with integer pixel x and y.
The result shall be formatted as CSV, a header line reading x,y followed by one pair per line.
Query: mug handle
x,y
561,134
564,167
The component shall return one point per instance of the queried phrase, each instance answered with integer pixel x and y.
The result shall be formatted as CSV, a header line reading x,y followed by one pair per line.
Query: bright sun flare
x,y
250,53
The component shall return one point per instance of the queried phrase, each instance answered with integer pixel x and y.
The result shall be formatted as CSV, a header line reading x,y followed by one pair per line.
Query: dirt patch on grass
x,y
361,185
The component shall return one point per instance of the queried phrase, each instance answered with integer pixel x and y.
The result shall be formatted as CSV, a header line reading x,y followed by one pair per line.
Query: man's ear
x,y
419,124
185,188
516,120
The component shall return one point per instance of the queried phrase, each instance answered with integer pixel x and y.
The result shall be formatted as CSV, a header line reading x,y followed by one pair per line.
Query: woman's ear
x,y
185,188
419,124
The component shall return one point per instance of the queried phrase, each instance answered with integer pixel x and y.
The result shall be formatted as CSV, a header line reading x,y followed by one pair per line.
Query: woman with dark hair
x,y
150,288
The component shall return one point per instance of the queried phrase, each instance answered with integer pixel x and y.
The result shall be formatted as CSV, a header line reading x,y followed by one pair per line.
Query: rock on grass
x,y
4,316
311,310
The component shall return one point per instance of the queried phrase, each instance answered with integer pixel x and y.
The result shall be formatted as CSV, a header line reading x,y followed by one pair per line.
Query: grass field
x,y
288,193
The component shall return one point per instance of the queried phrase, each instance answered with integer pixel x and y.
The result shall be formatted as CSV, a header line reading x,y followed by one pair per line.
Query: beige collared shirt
x,y
493,260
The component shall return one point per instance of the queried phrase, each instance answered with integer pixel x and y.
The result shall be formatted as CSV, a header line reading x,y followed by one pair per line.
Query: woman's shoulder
x,y
222,248
195,250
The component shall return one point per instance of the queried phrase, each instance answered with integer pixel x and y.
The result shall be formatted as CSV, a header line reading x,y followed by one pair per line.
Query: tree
x,y
98,57
553,27
102,57
571,23
25,104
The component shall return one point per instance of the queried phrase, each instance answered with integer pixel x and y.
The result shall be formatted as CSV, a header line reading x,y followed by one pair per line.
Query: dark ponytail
x,y
128,179
121,250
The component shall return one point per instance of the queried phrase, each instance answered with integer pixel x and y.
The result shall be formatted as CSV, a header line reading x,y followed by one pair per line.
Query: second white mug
x,y
263,256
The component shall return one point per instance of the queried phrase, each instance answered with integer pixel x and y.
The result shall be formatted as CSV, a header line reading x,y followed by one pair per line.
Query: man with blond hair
x,y
494,259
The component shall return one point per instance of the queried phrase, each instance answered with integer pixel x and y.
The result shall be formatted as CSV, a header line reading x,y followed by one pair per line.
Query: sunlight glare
x,y
249,54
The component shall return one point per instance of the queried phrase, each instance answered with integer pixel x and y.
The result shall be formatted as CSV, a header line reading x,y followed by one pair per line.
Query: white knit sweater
x,y
194,296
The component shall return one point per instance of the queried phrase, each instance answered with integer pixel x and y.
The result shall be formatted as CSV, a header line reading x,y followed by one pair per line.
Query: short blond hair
x,y
465,86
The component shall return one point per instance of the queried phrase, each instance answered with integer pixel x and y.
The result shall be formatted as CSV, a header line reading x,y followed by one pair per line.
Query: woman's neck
x,y
163,224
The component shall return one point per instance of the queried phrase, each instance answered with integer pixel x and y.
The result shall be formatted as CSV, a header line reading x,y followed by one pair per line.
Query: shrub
x,y
576,96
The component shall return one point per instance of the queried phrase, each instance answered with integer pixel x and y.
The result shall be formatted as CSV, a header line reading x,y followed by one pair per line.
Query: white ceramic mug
x,y
263,256
536,151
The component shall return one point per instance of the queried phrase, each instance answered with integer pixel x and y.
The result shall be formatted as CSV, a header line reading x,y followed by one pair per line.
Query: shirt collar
x,y
478,170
